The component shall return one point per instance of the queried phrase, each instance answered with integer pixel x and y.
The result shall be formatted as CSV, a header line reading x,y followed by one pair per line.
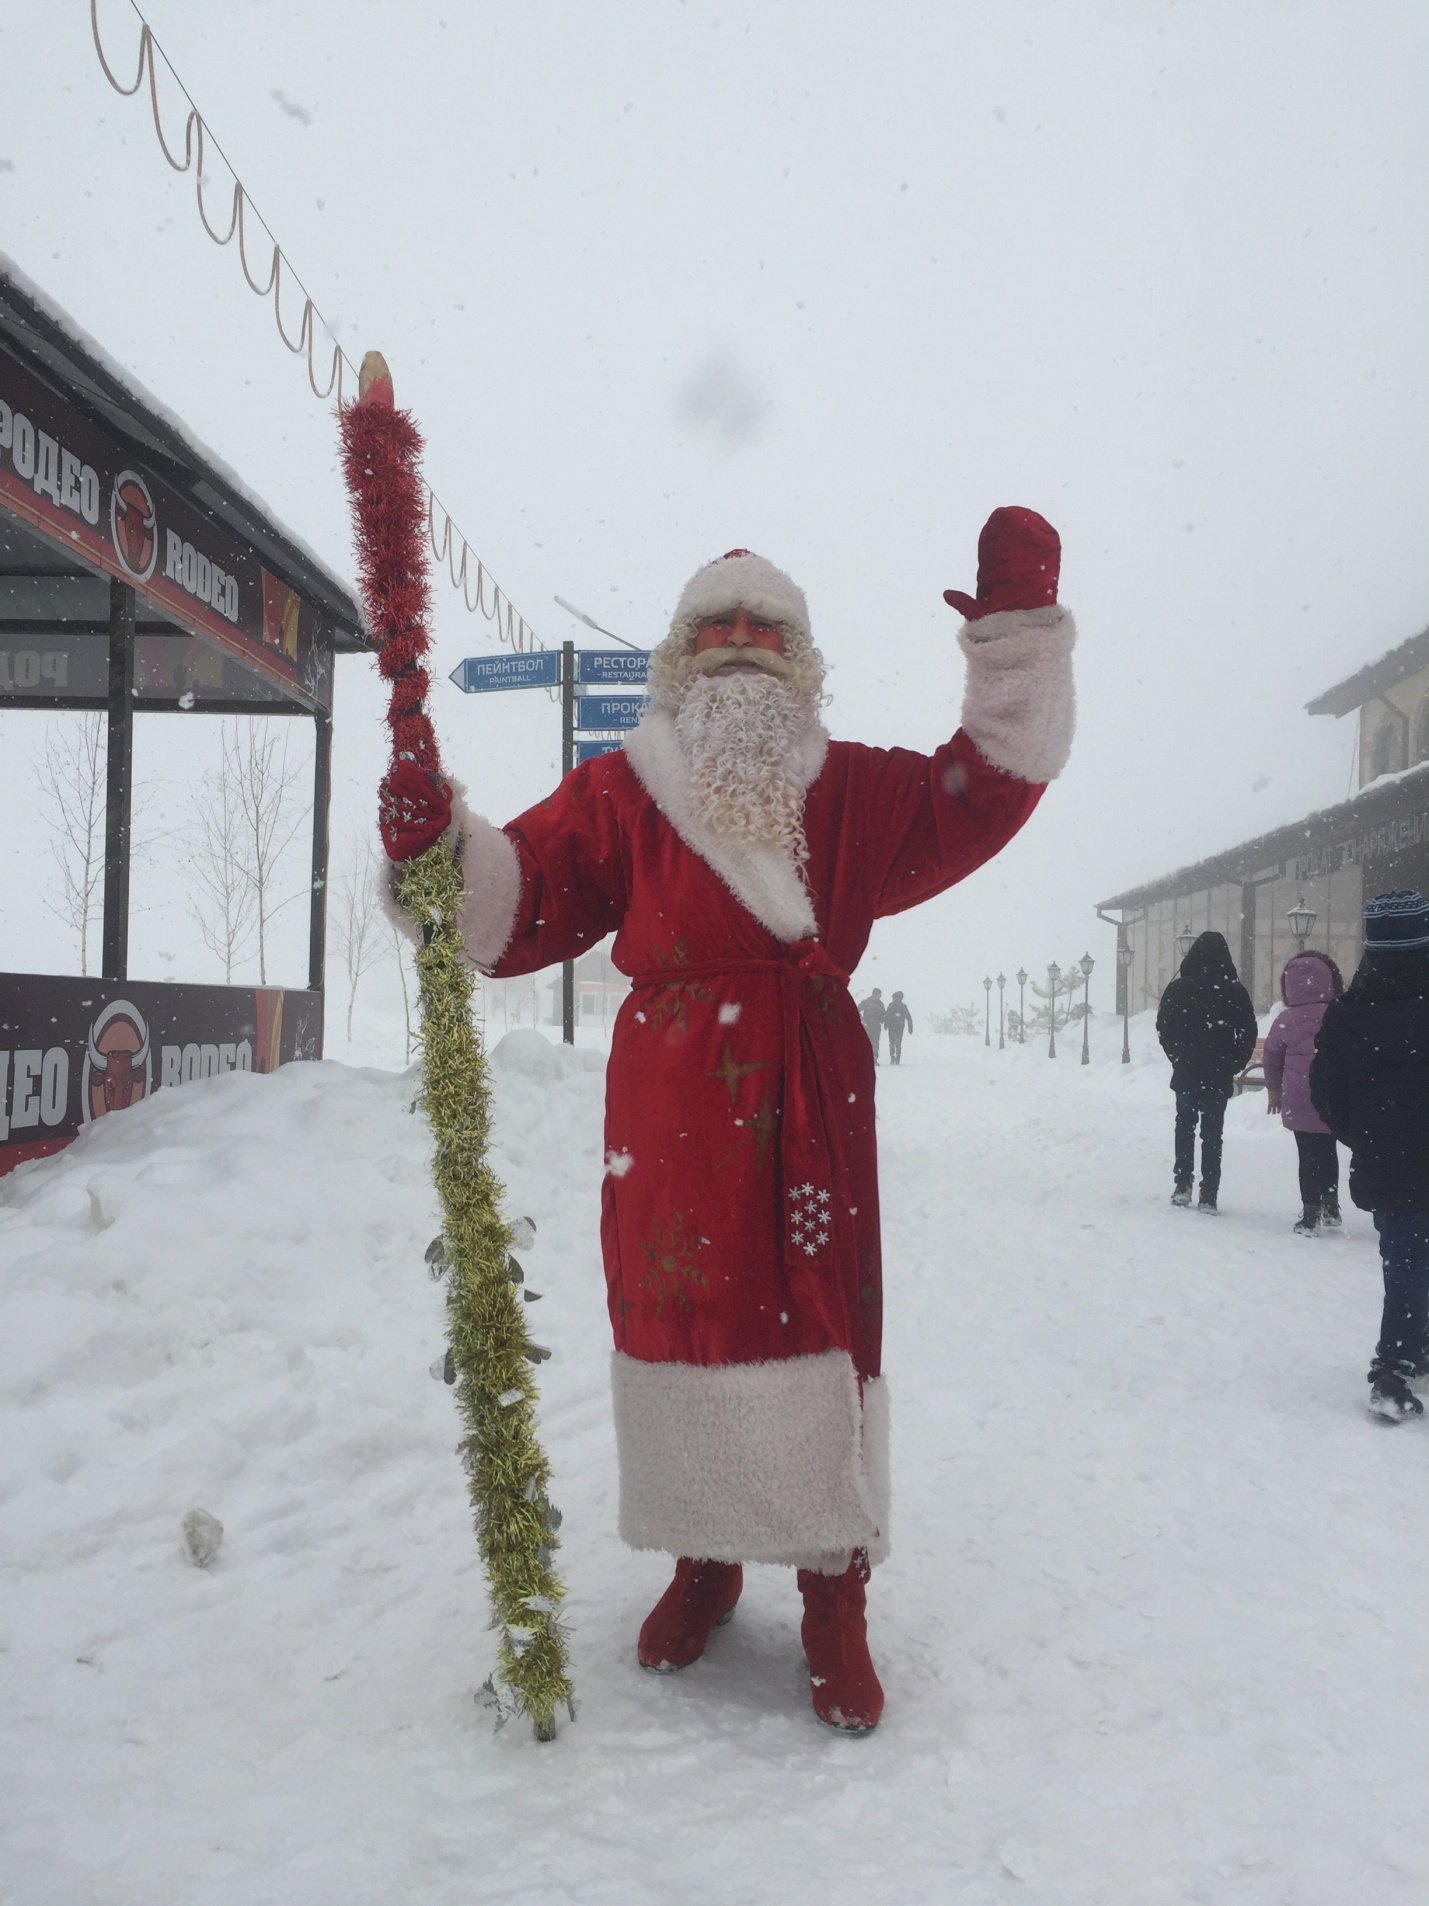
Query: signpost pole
x,y
568,761
598,719
119,786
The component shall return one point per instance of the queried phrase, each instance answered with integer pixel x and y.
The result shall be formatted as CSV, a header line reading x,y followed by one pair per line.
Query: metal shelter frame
x,y
251,629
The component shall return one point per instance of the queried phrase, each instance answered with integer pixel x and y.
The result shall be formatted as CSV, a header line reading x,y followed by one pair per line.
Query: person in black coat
x,y
872,1012
1206,1025
896,1021
1369,1081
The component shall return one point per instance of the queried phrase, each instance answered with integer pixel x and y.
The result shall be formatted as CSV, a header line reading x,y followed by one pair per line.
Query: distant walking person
x,y
1369,1081
896,1021
1308,984
873,1012
1206,1025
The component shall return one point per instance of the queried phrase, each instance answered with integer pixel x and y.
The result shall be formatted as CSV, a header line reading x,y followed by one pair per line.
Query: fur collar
x,y
764,879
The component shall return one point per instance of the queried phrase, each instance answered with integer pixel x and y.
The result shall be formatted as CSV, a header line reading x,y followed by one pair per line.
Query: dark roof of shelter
x,y
1374,678
1256,858
48,341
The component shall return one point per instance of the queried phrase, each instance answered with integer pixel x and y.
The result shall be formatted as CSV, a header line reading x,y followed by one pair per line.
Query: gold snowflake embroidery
x,y
673,1272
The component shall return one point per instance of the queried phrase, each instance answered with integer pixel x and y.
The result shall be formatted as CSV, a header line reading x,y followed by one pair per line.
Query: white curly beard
x,y
743,735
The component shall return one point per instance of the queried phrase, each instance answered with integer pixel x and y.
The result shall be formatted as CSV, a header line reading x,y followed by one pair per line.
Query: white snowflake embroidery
x,y
809,1219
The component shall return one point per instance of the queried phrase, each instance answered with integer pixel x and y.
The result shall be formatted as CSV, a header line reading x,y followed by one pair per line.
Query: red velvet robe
x,y
740,1208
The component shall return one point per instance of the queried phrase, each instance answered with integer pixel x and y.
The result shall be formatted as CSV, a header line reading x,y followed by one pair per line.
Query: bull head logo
x,y
134,525
117,1055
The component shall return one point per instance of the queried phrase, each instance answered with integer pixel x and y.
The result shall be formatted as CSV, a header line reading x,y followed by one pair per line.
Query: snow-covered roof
x,y
45,333
1374,678
1380,800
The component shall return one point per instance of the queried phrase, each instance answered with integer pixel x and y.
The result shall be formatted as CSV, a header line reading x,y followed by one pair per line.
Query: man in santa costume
x,y
740,858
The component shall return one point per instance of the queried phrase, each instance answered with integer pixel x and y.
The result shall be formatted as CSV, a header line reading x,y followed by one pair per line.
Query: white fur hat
x,y
741,580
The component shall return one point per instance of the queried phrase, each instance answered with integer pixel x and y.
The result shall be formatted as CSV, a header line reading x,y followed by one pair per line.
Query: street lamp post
x,y
1001,982
1301,921
1185,940
1054,973
1124,958
1022,1005
1086,962
987,1016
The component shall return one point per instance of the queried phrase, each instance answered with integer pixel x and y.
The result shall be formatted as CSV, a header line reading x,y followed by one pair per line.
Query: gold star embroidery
x,y
765,1123
732,1073
762,1125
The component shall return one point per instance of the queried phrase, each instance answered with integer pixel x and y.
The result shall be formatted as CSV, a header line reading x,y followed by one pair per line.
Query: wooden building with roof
x,y
1327,864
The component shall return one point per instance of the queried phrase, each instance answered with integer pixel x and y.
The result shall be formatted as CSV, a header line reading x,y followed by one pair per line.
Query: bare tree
x,y
401,947
357,923
223,904
257,761
71,770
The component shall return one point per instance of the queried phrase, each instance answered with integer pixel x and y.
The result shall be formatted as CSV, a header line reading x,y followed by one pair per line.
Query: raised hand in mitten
x,y
1019,557
413,810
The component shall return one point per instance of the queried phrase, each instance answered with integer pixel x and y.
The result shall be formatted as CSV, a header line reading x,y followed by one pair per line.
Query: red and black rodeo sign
x,y
76,1050
65,477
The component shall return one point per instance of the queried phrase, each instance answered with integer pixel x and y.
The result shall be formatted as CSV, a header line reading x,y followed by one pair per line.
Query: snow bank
x,y
1152,1630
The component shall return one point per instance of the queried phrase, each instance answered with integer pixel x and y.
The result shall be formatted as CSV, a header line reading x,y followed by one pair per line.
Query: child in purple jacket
x,y
1308,984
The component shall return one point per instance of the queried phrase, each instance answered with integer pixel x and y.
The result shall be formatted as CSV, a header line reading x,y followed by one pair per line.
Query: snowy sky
x,y
831,282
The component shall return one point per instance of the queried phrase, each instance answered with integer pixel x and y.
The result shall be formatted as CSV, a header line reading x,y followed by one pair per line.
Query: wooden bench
x,y
1253,1077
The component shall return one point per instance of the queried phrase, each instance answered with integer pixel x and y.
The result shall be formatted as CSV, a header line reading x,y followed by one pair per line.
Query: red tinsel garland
x,y
381,449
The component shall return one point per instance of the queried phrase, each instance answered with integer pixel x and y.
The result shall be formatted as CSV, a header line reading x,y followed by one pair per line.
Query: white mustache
x,y
710,661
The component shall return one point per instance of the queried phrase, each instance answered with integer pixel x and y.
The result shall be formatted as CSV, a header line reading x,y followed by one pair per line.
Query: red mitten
x,y
1019,557
413,810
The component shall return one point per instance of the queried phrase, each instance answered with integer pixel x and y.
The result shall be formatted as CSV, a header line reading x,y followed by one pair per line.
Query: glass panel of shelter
x,y
1336,898
54,642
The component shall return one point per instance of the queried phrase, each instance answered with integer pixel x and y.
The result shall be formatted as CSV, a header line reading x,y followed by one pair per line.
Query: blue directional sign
x,y
592,750
609,711
479,673
612,668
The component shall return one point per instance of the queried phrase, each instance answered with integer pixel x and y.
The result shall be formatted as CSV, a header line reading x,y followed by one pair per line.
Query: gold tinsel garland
x,y
491,1353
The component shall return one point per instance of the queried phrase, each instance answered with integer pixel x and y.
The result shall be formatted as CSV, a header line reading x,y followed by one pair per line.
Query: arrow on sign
x,y
480,673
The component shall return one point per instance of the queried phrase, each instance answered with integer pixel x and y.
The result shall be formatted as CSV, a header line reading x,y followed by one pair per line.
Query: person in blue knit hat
x,y
1369,1081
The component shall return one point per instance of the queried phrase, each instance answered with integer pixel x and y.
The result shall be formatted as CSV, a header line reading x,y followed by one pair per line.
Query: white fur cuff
x,y
491,882
753,1462
1019,707
491,879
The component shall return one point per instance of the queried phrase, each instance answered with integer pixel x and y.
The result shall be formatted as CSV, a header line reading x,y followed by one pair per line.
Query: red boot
x,y
700,1599
842,1682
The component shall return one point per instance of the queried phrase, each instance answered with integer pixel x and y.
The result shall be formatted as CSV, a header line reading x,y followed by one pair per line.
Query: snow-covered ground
x,y
1154,1629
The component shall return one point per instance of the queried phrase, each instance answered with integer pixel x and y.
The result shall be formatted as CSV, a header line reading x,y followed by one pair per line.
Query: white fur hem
x,y
765,879
1019,707
753,1462
491,881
